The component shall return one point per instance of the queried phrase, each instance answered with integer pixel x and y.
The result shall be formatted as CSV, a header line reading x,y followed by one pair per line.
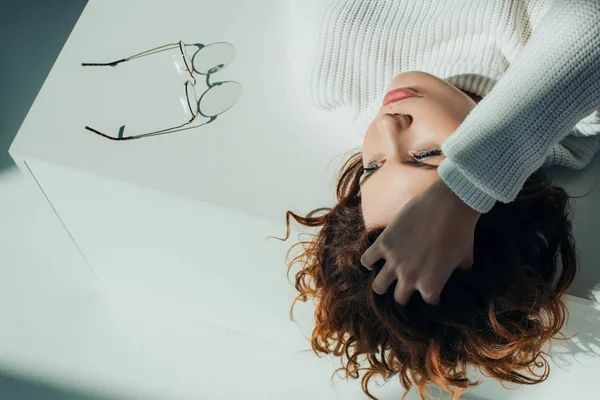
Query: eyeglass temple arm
x,y
161,132
114,63
109,137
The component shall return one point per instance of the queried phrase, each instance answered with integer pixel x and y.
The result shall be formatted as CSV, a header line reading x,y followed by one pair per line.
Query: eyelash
x,y
420,154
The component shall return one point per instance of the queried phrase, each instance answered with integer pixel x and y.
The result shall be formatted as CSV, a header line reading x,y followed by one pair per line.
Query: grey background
x,y
32,34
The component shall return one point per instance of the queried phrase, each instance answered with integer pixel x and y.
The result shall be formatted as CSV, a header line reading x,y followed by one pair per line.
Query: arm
x,y
553,83
578,148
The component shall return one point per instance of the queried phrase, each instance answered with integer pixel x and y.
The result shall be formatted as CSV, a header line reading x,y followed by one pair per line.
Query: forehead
x,y
387,191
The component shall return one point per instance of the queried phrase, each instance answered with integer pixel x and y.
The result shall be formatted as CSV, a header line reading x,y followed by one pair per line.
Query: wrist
x,y
448,195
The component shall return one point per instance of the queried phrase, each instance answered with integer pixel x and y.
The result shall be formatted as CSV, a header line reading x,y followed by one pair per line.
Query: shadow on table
x,y
17,388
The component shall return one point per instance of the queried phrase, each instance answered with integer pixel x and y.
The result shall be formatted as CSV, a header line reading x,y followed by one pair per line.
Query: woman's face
x,y
400,130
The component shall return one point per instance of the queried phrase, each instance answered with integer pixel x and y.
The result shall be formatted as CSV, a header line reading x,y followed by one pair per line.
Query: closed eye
x,y
413,163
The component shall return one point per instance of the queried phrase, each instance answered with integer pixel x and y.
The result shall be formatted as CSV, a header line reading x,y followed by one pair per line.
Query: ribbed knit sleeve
x,y
553,83
577,149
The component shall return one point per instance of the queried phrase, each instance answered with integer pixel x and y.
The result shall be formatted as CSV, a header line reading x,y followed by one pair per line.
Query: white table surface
x,y
272,150
268,153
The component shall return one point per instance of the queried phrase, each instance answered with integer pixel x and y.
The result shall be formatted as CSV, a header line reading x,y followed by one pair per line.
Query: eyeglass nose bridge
x,y
225,52
215,69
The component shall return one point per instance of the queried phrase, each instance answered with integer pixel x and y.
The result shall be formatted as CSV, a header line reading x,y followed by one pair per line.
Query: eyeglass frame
x,y
188,83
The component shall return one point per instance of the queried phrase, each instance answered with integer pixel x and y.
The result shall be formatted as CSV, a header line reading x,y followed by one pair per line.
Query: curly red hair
x,y
491,316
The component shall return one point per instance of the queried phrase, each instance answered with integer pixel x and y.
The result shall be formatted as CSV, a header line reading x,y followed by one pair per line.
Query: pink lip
x,y
397,95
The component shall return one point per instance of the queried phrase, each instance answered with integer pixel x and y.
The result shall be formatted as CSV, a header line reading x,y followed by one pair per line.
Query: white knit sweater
x,y
536,63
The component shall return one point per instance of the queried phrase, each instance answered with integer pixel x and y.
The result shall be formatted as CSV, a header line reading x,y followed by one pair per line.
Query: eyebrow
x,y
412,163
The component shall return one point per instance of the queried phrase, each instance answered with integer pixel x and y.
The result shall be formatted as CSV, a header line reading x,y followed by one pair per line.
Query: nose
x,y
391,128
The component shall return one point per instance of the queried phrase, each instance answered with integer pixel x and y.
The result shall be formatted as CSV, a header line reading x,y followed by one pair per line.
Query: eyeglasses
x,y
206,60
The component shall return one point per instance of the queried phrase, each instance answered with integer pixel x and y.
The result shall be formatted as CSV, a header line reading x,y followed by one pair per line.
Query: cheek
x,y
368,137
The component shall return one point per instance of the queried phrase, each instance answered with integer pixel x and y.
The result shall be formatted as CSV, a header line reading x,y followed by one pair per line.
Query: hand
x,y
431,236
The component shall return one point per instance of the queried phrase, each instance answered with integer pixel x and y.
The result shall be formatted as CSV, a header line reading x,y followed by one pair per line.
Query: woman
x,y
452,196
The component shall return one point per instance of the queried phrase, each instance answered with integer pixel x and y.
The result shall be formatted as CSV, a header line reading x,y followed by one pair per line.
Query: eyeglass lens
x,y
208,60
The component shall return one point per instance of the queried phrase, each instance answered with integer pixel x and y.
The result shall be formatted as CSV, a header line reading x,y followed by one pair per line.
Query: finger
x,y
465,265
403,292
431,287
370,256
469,260
384,279
468,263
430,299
